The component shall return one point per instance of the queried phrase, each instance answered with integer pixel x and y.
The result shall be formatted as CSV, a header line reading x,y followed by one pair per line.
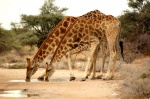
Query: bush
x,y
136,84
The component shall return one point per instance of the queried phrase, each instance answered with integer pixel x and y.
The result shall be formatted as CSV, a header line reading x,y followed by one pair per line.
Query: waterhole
x,y
36,80
22,93
13,93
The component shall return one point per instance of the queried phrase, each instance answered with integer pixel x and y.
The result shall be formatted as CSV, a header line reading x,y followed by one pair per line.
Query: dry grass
x,y
136,80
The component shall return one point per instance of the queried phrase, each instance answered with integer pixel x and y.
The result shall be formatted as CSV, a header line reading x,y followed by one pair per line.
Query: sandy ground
x,y
59,87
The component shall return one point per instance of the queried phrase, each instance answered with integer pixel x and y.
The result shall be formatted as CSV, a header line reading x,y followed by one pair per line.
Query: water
x,y
33,80
36,80
22,93
25,93
13,93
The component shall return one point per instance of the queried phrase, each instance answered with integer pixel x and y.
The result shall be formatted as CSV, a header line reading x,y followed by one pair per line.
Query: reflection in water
x,y
13,93
33,80
25,93
20,93
36,80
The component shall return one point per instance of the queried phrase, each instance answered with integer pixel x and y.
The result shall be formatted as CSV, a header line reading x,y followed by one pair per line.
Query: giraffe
x,y
103,46
51,68
92,32
50,42
48,45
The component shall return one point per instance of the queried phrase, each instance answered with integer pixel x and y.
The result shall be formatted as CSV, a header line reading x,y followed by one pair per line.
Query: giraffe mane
x,y
62,40
50,36
36,55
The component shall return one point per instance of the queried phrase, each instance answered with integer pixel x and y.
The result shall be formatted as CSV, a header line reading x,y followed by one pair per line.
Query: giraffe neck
x,y
53,58
78,34
54,38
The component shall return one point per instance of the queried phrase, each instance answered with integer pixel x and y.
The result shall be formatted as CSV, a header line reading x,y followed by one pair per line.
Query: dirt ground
x,y
59,87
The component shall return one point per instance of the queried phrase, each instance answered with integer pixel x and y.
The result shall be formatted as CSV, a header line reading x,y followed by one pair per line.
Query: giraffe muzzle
x,y
27,79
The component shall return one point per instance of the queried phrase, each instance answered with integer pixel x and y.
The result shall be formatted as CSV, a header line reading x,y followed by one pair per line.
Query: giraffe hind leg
x,y
104,52
90,58
94,62
112,60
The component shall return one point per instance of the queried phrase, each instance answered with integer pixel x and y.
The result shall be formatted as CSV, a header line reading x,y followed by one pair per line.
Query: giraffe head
x,y
49,71
32,67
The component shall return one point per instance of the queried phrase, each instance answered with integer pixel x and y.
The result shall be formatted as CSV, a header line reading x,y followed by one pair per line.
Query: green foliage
x,y
43,23
137,5
25,35
128,23
136,21
8,41
135,27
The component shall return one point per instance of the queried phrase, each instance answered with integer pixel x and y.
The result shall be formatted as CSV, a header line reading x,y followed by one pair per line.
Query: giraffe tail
x,y
121,49
120,43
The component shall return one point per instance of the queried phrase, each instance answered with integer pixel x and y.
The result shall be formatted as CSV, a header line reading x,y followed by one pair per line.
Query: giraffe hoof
x,y
46,79
83,79
72,78
27,80
107,78
40,78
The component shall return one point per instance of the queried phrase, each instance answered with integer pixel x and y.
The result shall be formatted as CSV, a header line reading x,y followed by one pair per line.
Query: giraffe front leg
x,y
86,69
89,70
94,69
70,67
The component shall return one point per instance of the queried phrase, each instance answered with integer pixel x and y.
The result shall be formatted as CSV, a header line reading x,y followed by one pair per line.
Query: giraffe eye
x,y
31,68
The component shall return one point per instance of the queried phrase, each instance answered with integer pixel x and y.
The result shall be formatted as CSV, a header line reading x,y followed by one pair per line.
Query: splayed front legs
x,y
70,67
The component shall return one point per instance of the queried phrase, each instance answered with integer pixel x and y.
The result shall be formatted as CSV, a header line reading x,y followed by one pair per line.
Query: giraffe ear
x,y
28,59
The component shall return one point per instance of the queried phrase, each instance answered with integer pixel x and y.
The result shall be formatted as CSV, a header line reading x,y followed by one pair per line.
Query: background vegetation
x,y
24,37
33,29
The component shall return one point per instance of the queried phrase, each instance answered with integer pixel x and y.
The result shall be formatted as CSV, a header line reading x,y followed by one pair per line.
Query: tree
x,y
135,25
8,40
25,35
43,23
137,20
